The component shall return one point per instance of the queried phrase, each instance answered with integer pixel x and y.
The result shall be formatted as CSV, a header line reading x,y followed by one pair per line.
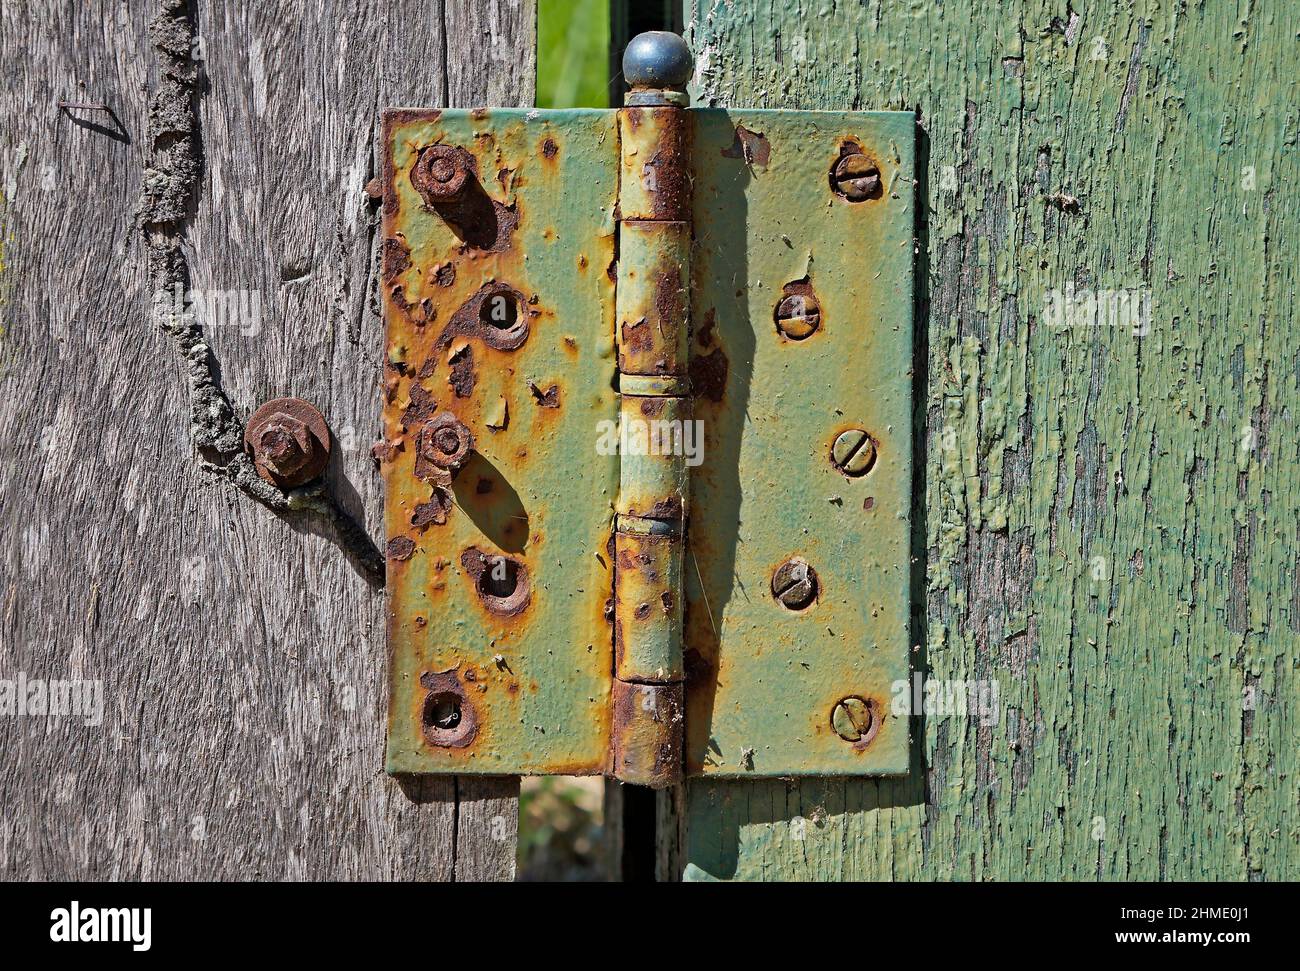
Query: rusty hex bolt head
x,y
441,173
289,441
445,441
857,177
852,719
798,315
794,584
284,445
854,452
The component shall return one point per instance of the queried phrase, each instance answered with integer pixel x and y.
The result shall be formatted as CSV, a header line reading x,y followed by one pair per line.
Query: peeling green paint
x,y
1112,534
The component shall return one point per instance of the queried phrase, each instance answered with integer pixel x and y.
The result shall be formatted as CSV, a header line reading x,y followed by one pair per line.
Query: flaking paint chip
x,y
499,415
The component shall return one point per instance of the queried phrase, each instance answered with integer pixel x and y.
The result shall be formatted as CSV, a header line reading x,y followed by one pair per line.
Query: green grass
x,y
572,53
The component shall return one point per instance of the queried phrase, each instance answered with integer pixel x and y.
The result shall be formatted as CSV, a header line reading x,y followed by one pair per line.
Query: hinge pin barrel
x,y
652,308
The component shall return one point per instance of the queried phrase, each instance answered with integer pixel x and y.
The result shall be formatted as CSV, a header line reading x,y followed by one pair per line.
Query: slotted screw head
x,y
797,316
853,452
794,584
857,177
851,718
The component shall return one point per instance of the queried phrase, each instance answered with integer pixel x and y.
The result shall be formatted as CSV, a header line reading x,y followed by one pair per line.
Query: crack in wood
x,y
168,197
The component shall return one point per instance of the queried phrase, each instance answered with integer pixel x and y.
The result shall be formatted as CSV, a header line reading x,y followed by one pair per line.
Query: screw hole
x,y
500,579
499,311
442,711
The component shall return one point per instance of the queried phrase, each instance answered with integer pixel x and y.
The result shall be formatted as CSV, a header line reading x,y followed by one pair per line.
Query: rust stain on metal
x,y
670,301
434,512
393,120
422,406
444,275
669,508
462,377
549,148
550,398
637,336
751,146
708,326
400,548
698,670
396,258
709,374
385,450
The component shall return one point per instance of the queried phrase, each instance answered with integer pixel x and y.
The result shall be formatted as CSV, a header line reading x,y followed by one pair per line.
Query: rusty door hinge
x,y
652,309
647,436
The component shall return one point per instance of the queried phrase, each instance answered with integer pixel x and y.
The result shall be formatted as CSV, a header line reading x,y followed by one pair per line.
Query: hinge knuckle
x,y
652,311
654,171
649,727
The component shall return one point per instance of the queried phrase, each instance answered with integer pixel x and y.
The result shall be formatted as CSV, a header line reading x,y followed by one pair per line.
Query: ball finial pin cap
x,y
657,60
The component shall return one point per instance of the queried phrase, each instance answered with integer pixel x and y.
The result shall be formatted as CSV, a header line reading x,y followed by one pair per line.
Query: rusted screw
x,y
284,445
852,719
794,584
797,316
445,441
441,173
857,177
854,452
289,441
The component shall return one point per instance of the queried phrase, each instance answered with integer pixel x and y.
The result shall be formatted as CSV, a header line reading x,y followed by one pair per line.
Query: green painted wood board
x,y
1107,521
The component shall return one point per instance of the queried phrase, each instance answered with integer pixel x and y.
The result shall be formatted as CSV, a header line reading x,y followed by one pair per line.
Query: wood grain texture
x,y
1109,519
241,654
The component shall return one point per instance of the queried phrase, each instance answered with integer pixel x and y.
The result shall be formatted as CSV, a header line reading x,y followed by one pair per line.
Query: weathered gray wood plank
x,y
240,651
